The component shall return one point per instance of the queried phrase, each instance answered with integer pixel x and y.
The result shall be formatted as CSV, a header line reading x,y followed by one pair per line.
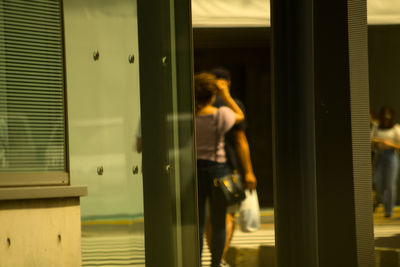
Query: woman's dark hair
x,y
221,73
386,118
205,88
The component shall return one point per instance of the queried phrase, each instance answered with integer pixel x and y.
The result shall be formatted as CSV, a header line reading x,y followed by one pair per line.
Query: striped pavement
x,y
128,249
113,250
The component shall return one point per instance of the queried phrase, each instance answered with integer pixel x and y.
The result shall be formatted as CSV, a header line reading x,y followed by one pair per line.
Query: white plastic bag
x,y
249,218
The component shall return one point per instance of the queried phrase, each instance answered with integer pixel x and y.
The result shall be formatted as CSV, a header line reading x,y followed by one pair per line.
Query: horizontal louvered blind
x,y
32,117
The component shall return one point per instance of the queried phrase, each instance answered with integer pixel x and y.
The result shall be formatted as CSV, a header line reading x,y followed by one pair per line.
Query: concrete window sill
x,y
40,192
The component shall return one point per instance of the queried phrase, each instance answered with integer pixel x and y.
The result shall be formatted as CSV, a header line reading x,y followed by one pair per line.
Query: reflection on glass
x,y
104,114
384,83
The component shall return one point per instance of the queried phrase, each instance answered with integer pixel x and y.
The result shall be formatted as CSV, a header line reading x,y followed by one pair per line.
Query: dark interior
x,y
246,53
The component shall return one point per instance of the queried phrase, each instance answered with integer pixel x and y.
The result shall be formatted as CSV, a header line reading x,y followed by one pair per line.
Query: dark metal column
x,y
322,177
293,132
170,192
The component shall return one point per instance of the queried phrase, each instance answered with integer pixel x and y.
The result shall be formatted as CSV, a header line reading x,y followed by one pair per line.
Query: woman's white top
x,y
391,134
210,137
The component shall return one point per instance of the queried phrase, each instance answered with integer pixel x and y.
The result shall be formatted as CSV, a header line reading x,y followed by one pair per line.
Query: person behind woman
x,y
386,139
211,125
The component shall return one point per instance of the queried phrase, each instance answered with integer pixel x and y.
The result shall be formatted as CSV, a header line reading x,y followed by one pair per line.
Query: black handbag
x,y
228,188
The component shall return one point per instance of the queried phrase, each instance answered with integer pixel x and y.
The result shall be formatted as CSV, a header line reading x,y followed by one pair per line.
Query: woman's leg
x,y
217,216
390,184
208,231
377,177
394,181
202,197
230,228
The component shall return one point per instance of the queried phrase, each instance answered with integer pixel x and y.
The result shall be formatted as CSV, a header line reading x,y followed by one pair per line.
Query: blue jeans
x,y
206,172
385,178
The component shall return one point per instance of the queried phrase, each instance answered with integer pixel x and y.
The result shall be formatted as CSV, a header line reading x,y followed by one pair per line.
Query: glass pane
x,y
167,124
104,111
32,127
245,53
384,83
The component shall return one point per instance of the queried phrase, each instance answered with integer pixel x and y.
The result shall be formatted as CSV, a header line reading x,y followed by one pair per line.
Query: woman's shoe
x,y
224,264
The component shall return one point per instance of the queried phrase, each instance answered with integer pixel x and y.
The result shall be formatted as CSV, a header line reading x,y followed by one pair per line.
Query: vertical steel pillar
x,y
320,98
166,88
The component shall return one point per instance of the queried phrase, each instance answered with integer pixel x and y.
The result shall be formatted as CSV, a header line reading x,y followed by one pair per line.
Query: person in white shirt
x,y
386,140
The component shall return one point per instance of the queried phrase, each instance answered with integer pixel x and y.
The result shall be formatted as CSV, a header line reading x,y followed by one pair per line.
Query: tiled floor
x,y
127,248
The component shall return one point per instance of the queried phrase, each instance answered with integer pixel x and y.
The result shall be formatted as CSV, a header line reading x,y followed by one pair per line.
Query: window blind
x,y
32,115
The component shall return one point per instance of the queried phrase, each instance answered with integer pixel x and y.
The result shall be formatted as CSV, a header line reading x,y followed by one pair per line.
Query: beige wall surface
x,y
40,233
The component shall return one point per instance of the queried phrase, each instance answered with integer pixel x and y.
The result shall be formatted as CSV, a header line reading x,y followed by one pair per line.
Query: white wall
x,y
103,105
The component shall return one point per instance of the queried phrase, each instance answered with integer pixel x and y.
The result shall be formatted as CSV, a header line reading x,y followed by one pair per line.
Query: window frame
x,y
47,178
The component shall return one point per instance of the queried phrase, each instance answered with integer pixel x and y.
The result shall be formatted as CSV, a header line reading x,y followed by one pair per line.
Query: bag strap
x,y
216,134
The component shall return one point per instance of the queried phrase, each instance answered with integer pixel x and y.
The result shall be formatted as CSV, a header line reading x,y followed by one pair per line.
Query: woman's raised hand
x,y
223,92
223,87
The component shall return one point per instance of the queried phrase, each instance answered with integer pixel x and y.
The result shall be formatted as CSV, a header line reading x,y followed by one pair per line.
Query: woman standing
x,y
386,139
211,125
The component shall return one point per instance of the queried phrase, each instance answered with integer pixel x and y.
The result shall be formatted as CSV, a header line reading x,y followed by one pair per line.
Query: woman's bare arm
x,y
386,143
